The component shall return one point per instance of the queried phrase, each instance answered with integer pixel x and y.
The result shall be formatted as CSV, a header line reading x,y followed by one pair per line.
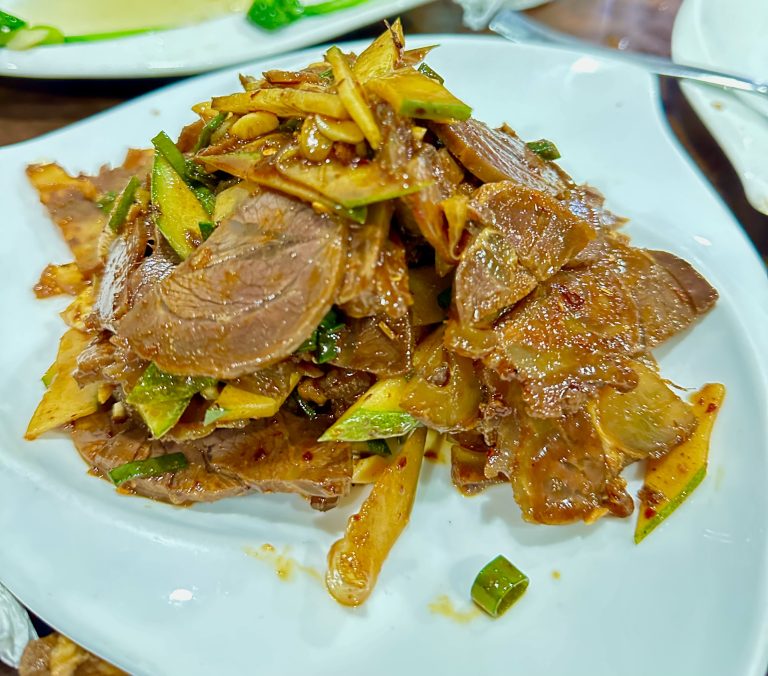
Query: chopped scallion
x,y
207,131
123,204
107,201
213,414
497,586
206,228
306,408
378,447
444,298
424,69
162,464
170,151
545,149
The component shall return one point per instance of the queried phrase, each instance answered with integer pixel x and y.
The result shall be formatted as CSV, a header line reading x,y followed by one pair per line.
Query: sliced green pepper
x,y
123,203
497,586
207,131
545,149
161,464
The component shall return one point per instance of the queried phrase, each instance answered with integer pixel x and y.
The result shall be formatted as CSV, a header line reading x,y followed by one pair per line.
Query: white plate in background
x,y
164,590
730,36
198,48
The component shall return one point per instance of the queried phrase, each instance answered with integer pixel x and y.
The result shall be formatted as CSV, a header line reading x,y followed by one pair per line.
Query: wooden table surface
x,y
29,108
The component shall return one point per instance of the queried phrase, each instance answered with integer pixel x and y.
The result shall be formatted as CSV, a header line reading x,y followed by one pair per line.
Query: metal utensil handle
x,y
516,27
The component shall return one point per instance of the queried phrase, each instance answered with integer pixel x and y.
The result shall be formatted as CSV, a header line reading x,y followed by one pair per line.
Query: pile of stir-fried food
x,y
333,260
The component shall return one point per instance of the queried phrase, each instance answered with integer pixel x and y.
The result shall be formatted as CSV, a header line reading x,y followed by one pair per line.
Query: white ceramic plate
x,y
730,36
162,590
191,49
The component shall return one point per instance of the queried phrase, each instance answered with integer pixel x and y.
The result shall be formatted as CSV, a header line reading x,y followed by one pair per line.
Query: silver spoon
x,y
518,28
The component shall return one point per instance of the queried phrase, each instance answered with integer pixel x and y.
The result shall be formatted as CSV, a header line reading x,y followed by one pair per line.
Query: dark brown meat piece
x,y
377,344
247,297
421,211
387,290
468,464
93,360
559,469
282,455
527,236
151,270
278,454
572,335
581,329
105,445
499,155
562,473
137,163
339,386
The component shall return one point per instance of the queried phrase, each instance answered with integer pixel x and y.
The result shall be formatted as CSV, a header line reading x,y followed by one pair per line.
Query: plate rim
x,y
760,650
314,30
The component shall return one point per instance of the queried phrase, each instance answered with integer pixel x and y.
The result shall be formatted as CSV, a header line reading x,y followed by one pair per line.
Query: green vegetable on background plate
x,y
498,586
275,14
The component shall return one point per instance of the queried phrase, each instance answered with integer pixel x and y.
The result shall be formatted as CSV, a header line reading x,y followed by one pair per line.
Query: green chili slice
x,y
123,203
497,586
306,408
424,69
206,228
545,149
444,298
162,464
107,201
207,131
170,151
378,447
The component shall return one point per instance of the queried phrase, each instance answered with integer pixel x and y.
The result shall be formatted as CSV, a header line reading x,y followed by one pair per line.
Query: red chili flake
x,y
572,298
650,512
307,457
711,407
429,455
402,462
355,517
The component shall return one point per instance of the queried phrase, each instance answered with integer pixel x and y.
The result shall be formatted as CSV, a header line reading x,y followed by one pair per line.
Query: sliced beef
x,y
527,236
127,251
340,387
499,155
563,474
469,456
71,203
421,211
137,163
92,361
247,297
701,294
581,329
278,454
387,291
575,333
364,252
378,344
282,455
669,292
106,445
